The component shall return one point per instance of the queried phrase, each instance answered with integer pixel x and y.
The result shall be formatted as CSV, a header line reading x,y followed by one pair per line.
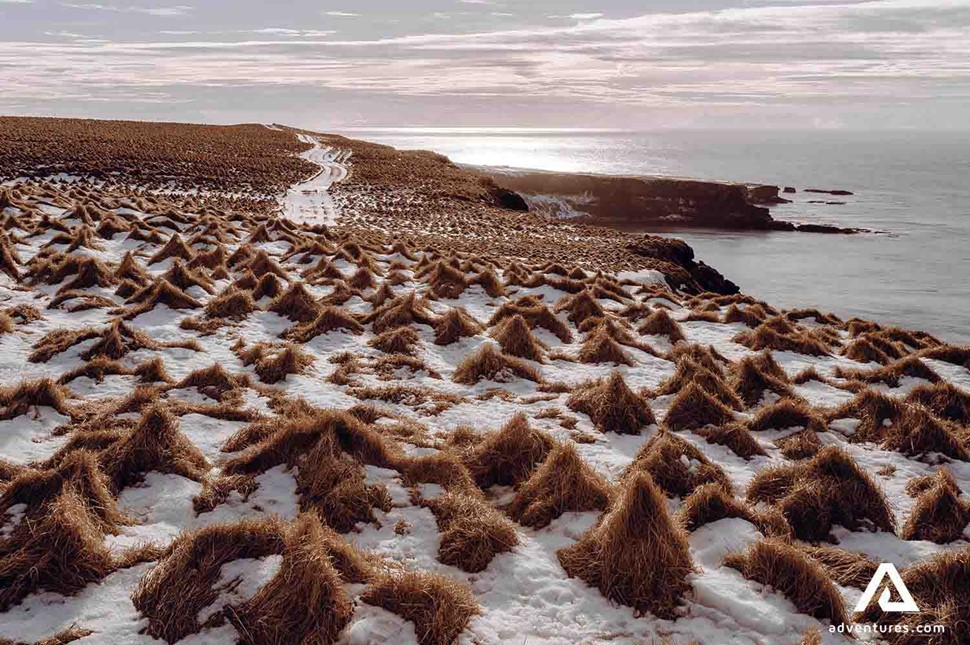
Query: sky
x,y
615,64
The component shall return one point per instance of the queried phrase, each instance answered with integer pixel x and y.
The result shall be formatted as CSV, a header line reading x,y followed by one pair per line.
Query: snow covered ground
x,y
310,200
524,593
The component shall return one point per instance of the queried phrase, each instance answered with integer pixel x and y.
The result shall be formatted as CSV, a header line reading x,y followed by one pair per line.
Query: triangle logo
x,y
905,605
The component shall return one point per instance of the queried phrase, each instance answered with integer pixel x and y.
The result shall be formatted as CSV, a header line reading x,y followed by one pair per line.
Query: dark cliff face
x,y
647,202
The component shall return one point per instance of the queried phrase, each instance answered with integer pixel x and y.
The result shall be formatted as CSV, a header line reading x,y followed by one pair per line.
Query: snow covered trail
x,y
310,201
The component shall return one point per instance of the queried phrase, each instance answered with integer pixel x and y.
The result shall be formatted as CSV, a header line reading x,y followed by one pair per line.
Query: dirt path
x,y
309,201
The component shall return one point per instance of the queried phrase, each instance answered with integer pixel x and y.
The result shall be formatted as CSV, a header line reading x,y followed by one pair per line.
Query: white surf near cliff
x,y
310,201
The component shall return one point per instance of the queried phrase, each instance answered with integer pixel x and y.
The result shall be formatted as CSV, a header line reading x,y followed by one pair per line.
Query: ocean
x,y
913,187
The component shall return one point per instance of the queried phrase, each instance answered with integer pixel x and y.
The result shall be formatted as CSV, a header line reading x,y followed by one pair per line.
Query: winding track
x,y
310,201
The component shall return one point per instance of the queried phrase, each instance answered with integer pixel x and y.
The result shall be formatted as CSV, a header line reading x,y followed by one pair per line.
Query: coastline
x,y
429,411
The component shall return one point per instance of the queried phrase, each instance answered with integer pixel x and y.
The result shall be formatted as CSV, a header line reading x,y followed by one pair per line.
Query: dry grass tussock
x,y
659,323
173,593
508,456
789,571
753,376
765,337
787,413
892,373
304,602
456,324
711,502
28,397
329,319
156,444
600,347
488,364
734,436
536,314
675,465
329,449
516,339
690,371
60,549
472,533
940,513
826,490
612,406
846,568
635,555
694,408
439,607
563,483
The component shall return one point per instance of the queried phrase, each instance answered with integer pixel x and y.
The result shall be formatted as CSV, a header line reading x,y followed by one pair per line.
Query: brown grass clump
x,y
752,315
891,374
269,286
581,306
948,354
28,396
328,448
175,247
472,532
403,311
213,381
330,319
918,432
873,409
690,371
489,364
172,594
844,567
636,555
599,347
445,280
515,338
710,503
60,549
401,340
275,367
675,465
694,408
563,483
705,355
297,304
864,351
442,468
509,456
734,436
183,278
789,571
304,602
78,471
536,314
57,341
155,445
95,369
787,413
659,323
612,406
800,445
232,304
439,607
160,292
766,337
490,282
455,325
944,400
828,489
753,376
938,586
939,514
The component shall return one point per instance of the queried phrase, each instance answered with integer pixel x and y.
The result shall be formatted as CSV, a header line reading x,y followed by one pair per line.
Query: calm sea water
x,y
914,186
